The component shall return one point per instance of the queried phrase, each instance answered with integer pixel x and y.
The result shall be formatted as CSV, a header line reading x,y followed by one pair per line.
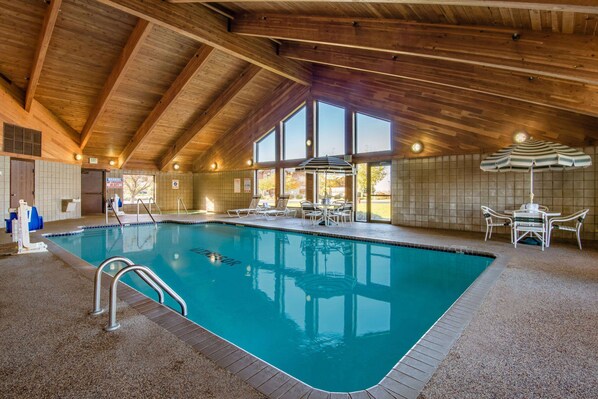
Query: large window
x,y
138,187
265,148
265,185
371,134
294,186
293,131
331,186
330,129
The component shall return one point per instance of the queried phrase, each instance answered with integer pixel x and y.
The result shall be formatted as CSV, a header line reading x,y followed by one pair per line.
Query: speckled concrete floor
x,y
535,335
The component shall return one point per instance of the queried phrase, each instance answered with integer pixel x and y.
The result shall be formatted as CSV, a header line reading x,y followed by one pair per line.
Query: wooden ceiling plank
x,y
583,6
213,111
192,68
559,94
131,48
205,26
568,57
43,43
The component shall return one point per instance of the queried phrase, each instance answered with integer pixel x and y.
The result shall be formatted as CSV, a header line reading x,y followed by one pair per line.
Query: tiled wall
x,y
214,191
54,182
166,196
4,186
447,192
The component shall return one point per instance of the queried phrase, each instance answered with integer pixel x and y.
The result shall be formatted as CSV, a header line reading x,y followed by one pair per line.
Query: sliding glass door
x,y
373,192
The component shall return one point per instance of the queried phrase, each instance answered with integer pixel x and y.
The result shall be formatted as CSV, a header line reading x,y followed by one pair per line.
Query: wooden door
x,y
22,181
92,191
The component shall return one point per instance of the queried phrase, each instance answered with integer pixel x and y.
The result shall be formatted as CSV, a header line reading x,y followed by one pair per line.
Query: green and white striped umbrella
x,y
535,155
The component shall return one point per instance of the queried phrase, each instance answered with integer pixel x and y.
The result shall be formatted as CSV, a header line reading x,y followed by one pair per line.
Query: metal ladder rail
x,y
147,210
155,203
97,283
109,206
112,324
178,204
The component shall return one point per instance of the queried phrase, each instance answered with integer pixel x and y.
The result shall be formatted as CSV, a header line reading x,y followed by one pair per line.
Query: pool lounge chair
x,y
245,211
280,209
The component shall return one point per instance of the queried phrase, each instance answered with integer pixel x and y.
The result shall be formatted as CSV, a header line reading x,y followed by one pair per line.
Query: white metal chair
x,y
344,213
489,214
529,224
309,210
555,223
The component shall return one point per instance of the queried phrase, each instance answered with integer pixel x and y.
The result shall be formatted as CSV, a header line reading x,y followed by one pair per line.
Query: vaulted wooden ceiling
x,y
155,82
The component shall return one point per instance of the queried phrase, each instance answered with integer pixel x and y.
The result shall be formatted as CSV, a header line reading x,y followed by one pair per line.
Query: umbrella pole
x,y
531,193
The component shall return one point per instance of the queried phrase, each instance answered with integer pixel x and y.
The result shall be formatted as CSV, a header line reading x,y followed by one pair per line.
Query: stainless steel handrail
x,y
112,324
97,283
178,203
155,203
109,206
139,200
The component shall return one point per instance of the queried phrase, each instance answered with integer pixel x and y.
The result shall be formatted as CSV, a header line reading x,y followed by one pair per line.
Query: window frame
x,y
256,143
282,157
317,128
154,187
355,134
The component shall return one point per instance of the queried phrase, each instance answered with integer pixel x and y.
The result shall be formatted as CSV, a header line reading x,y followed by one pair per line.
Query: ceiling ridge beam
x,y
190,70
563,56
119,70
580,6
39,57
217,106
205,26
555,93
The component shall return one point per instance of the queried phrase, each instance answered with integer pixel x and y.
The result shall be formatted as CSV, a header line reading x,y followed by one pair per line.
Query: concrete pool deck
x,y
535,333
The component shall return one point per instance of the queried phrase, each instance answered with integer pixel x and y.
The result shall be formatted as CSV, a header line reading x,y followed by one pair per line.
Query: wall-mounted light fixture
x,y
520,137
214,166
112,162
250,162
78,157
308,143
417,147
176,166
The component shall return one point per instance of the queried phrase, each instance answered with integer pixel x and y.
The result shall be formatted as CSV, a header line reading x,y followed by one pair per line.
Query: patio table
x,y
326,220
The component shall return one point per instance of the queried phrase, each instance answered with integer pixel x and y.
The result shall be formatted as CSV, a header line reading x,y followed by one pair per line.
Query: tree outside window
x,y
294,186
137,187
266,185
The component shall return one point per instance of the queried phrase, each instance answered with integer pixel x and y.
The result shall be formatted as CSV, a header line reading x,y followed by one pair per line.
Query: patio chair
x,y
344,213
489,214
280,209
555,223
529,224
255,200
309,210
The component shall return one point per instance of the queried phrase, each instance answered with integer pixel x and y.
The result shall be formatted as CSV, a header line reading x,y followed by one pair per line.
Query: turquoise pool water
x,y
337,314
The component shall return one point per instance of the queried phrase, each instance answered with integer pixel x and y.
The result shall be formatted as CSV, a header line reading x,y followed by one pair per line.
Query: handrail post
x,y
138,210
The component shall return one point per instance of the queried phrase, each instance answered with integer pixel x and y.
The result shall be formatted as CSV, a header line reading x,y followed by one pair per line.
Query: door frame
x,y
369,194
103,187
10,179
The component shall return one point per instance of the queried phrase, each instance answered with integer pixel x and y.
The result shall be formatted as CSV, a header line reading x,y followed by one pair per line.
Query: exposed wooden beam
x,y
39,57
213,110
140,32
556,93
582,6
568,57
209,28
176,88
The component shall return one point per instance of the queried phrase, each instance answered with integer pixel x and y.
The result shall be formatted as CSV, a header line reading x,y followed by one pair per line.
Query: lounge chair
x,y
246,211
503,221
280,209
556,223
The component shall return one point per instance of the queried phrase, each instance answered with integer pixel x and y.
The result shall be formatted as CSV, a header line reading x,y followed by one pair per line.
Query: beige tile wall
x,y
166,197
214,191
447,192
54,182
4,186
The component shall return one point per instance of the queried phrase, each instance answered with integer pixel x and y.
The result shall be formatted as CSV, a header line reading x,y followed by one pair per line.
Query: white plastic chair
x,y
555,223
309,210
490,223
529,224
344,213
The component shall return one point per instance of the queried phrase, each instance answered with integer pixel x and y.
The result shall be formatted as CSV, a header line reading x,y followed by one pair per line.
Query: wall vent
x,y
21,140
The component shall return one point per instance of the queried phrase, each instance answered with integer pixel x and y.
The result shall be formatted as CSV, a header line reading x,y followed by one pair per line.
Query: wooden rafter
x,y
131,48
43,43
213,110
582,6
568,57
207,27
176,88
556,93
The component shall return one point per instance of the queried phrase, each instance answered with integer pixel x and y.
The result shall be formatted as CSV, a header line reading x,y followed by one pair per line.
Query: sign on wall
x,y
175,184
114,182
237,185
247,185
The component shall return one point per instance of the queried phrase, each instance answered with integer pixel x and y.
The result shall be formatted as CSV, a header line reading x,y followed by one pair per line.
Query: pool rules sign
x,y
175,184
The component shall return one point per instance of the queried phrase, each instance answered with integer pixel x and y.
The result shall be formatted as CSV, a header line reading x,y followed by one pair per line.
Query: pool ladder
x,y
144,273
140,201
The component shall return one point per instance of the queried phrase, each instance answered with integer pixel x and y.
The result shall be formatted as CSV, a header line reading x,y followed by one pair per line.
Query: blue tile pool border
x,y
405,380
